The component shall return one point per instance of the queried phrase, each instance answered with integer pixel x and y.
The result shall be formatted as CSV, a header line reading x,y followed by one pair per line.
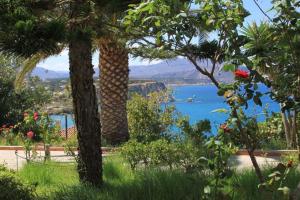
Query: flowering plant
x,y
241,74
7,134
37,128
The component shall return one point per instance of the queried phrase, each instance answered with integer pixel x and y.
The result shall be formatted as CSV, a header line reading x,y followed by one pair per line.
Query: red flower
x,y
30,134
290,164
35,116
241,74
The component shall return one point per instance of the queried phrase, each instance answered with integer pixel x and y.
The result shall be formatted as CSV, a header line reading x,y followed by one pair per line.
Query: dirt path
x,y
12,161
9,159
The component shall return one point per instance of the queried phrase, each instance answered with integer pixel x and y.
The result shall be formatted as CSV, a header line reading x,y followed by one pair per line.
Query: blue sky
x,y
61,63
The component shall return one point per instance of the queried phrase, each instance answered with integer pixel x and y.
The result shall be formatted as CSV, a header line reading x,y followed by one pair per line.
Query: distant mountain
x,y
177,70
170,71
49,74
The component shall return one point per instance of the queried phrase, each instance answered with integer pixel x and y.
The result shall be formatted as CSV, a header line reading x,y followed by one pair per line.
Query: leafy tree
x,y
31,28
170,28
113,67
272,48
13,103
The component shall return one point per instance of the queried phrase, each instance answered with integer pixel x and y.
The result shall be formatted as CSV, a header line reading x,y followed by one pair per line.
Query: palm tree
x,y
262,46
114,77
114,73
37,30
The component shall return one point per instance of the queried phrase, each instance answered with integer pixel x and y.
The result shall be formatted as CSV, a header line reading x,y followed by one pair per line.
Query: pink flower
x,y
241,74
35,116
4,126
30,134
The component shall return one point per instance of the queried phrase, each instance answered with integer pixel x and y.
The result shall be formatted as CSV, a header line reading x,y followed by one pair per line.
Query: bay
x,y
205,100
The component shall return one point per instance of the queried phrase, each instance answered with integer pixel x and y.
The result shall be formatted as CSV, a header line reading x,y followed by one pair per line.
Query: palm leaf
x,y
28,65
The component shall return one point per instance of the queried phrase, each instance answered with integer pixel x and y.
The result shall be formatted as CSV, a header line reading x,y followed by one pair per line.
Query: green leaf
x,y
207,190
157,23
220,110
228,67
221,91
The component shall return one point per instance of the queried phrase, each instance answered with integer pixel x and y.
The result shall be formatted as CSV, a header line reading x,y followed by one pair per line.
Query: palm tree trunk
x,y
86,111
114,76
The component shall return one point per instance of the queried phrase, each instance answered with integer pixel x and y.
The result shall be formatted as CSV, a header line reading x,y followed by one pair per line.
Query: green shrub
x,y
189,156
163,152
147,120
3,168
135,152
12,188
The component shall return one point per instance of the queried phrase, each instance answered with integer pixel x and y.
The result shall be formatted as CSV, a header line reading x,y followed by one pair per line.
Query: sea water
x,y
204,101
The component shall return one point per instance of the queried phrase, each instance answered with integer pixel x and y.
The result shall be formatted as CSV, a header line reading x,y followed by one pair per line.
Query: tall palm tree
x,y
114,77
34,29
114,74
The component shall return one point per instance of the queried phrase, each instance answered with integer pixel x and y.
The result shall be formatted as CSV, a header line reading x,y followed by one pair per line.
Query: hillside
x,y
172,71
62,101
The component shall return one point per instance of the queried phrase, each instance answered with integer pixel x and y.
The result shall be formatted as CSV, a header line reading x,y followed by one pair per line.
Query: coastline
x,y
186,84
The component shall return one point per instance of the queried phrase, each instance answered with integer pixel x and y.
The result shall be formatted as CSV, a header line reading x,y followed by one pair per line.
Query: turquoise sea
x,y
205,100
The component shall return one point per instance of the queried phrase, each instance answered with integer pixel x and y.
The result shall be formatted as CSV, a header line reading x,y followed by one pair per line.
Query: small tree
x,y
170,28
147,120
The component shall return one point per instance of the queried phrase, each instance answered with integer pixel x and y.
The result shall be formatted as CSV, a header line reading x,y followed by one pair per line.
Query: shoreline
x,y
186,84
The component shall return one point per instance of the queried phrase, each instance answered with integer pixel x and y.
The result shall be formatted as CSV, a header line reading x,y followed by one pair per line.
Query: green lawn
x,y
60,181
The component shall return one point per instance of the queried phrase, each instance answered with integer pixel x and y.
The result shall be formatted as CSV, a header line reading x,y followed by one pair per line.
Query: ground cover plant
x,y
59,181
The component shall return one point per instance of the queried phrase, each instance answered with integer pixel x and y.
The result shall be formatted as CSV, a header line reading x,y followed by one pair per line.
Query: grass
x,y
50,176
60,182
56,181
246,185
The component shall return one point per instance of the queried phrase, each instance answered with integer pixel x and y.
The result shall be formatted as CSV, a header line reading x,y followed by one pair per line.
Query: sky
x,y
61,63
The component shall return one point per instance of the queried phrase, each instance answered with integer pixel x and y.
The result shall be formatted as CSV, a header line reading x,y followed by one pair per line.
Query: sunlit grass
x,y
60,182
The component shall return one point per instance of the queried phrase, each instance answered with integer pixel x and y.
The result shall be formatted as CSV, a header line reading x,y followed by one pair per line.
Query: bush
x,y
163,152
135,152
12,188
147,120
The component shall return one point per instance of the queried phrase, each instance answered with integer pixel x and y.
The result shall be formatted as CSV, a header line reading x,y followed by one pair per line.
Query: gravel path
x,y
9,159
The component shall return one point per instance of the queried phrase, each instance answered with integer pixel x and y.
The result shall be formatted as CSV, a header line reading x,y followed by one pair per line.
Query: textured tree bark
x,y
114,76
86,111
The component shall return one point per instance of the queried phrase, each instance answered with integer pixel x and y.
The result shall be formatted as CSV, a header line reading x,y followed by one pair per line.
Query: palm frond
x,y
28,65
